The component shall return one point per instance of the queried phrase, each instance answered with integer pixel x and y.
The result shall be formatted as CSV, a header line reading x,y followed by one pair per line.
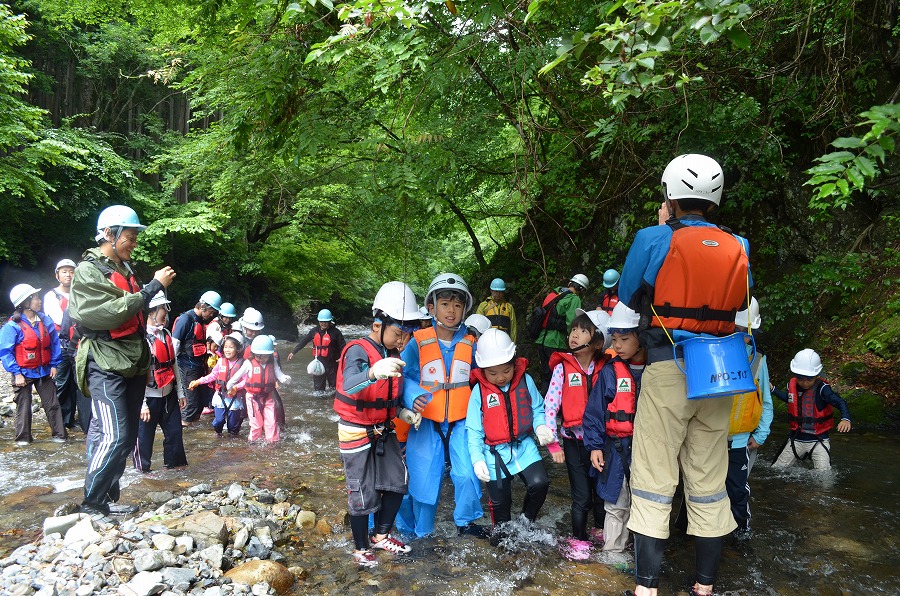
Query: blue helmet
x,y
324,316
610,278
228,310
212,299
262,344
498,285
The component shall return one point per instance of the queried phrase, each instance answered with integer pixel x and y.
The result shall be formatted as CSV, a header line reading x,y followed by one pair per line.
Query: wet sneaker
x,y
390,544
97,516
207,412
117,509
22,443
595,535
574,549
57,440
365,558
473,529
743,534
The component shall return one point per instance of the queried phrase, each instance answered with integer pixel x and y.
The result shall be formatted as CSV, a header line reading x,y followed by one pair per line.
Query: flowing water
x,y
836,534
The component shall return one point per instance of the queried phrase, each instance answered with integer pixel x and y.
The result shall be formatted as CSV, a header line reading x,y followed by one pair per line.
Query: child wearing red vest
x,y
504,409
259,376
367,398
609,425
228,410
574,374
811,402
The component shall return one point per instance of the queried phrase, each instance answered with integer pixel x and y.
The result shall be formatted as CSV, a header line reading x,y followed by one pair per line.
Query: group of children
x,y
460,400
244,373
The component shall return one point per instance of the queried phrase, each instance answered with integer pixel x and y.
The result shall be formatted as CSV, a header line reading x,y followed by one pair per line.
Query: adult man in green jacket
x,y
554,337
107,303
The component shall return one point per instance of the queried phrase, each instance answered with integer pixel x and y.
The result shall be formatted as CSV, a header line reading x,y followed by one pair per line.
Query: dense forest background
x,y
299,154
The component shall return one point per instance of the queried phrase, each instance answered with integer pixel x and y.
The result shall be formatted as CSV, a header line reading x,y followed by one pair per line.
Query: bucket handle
x,y
675,351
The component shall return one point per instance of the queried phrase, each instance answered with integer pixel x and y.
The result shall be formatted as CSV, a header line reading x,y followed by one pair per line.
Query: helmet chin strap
x,y
579,348
442,326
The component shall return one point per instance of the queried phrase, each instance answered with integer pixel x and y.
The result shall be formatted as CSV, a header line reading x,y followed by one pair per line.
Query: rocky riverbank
x,y
204,541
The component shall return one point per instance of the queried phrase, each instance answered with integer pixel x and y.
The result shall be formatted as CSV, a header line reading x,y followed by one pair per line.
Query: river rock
x,y
82,531
179,578
163,541
281,509
254,572
160,497
148,559
205,527
306,519
323,528
298,572
241,537
184,545
213,555
235,492
60,525
145,583
199,489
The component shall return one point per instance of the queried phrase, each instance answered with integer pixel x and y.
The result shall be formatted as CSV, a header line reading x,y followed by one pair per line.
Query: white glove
x,y
410,417
544,434
287,380
387,367
481,471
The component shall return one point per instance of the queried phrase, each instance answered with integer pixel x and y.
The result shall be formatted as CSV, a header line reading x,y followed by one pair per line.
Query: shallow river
x,y
834,535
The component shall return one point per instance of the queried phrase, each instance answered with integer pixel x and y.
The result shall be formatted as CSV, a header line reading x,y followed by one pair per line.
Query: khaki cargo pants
x,y
670,429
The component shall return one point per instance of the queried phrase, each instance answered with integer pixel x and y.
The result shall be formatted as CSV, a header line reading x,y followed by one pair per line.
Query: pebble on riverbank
x,y
214,543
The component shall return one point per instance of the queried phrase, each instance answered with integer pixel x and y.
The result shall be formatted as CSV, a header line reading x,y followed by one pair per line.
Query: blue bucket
x,y
717,366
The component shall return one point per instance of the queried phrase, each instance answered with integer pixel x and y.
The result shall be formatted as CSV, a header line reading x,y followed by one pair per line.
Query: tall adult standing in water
x,y
107,303
685,276
328,343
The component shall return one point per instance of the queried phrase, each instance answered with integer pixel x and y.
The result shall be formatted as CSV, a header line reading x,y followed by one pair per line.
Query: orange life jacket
x,y
506,415
162,359
375,404
261,380
620,411
34,349
576,386
450,393
702,282
804,412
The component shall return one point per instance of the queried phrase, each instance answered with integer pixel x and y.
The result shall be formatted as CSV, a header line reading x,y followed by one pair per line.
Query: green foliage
x,y
862,160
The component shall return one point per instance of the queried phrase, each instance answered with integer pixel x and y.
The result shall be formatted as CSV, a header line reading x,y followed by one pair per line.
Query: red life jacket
x,y
507,416
195,341
136,323
322,341
34,349
804,411
576,386
609,301
162,359
226,373
620,412
261,380
702,282
377,403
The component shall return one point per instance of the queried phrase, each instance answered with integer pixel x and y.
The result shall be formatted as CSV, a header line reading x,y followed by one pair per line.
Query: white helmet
x,y
600,319
449,281
751,320
65,263
159,300
20,293
424,314
623,317
580,279
252,319
236,336
693,176
396,300
478,323
315,368
494,347
806,363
